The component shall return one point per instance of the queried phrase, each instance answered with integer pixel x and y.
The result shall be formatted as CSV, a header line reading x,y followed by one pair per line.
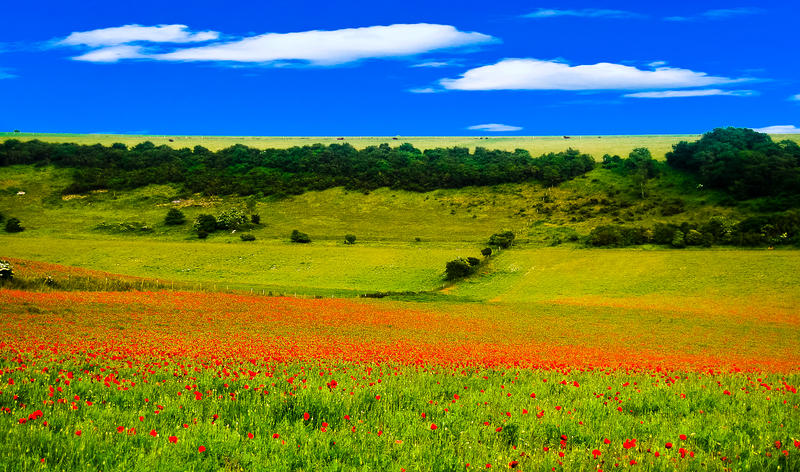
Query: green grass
x,y
537,145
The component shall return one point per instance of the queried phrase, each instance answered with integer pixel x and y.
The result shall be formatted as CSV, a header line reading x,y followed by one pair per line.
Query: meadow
x,y
595,145
131,349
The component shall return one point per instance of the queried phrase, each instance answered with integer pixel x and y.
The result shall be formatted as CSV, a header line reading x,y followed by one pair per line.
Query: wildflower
x,y
173,439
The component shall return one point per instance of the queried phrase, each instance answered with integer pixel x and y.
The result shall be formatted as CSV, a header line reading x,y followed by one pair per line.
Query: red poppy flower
x,y
173,439
201,449
306,416
433,426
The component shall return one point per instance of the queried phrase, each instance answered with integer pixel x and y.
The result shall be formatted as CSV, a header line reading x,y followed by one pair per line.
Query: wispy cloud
x,y
137,33
795,98
779,129
583,13
494,127
4,74
692,93
423,90
718,14
434,64
316,47
535,74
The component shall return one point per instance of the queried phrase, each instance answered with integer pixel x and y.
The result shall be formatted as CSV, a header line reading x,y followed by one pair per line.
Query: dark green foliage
x,y
673,206
205,223
174,217
247,237
125,227
248,171
743,162
504,239
458,268
6,270
350,239
473,261
775,229
13,225
486,252
694,238
2,217
202,234
255,218
678,239
298,237
639,166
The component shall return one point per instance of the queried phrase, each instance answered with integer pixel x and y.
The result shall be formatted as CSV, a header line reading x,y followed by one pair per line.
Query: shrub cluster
x,y
248,171
776,229
743,162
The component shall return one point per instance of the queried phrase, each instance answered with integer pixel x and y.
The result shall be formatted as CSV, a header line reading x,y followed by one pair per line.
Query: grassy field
x,y
552,357
594,145
464,216
537,145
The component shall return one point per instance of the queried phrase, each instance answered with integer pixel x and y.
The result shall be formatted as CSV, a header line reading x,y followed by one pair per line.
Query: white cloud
x,y
584,13
432,64
6,75
135,33
795,98
494,127
423,90
534,74
718,14
333,47
691,93
779,129
112,54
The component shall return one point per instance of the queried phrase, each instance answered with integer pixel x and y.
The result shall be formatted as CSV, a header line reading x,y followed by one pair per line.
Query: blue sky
x,y
385,68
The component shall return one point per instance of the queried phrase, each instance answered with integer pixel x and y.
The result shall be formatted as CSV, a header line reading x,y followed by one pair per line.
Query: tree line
x,y
244,170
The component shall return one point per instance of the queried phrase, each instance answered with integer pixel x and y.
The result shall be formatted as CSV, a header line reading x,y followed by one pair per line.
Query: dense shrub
x,y
458,268
743,162
503,239
205,223
247,237
13,225
174,217
255,219
678,239
486,252
349,238
202,234
473,261
298,237
247,171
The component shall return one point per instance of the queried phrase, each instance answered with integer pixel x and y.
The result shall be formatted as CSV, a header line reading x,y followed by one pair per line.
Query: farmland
x,y
127,343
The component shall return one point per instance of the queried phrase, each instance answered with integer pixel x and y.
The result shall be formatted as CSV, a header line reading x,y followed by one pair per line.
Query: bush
x,y
205,223
231,218
13,225
678,239
202,234
694,238
247,237
458,268
504,239
6,270
255,219
174,217
349,238
608,235
473,261
486,252
298,237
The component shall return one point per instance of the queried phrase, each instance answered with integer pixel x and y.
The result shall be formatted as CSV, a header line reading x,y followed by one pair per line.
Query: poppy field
x,y
211,381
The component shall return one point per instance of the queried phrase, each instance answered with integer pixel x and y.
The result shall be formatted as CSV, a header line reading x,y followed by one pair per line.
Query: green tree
x,y
298,237
205,223
174,217
503,239
458,268
350,239
13,225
